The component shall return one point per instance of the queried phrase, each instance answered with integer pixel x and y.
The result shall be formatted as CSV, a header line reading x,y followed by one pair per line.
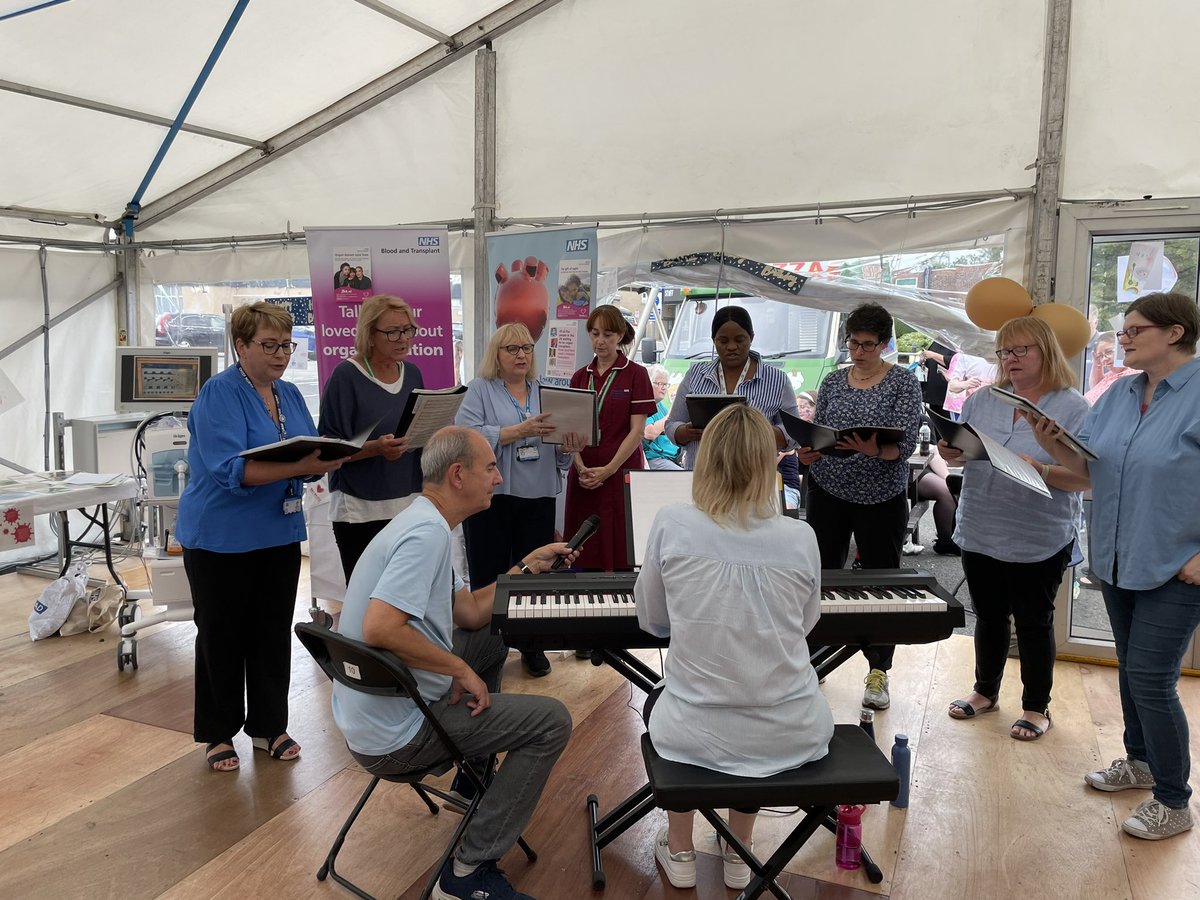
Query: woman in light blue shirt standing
x,y
1145,547
1015,543
504,406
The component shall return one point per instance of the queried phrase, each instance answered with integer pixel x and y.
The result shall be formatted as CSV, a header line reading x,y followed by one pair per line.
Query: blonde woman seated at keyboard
x,y
737,588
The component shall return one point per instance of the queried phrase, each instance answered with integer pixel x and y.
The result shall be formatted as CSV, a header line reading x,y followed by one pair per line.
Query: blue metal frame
x,y
21,12
135,205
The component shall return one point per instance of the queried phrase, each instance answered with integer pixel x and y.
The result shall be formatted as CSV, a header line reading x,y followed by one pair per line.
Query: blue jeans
x,y
1152,629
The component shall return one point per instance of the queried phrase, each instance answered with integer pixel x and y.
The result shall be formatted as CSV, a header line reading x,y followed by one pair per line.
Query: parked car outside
x,y
195,330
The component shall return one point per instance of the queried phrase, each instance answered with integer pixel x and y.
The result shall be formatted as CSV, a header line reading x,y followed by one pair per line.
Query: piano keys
x,y
563,611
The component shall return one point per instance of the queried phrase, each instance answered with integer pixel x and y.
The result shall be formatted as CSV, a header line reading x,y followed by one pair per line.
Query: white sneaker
x,y
737,870
680,868
876,694
1152,821
1122,775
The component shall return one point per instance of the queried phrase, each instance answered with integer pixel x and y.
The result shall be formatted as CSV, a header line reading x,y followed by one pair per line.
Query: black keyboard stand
x,y
637,805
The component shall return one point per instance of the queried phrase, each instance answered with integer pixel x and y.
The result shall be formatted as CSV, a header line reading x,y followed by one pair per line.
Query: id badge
x,y
293,505
528,453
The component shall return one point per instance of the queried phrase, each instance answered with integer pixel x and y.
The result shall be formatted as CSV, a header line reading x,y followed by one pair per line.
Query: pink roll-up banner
x,y
349,264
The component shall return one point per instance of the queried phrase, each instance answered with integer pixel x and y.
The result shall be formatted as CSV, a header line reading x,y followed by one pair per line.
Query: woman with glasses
x,y
865,493
241,523
595,483
1145,547
660,453
372,387
1016,544
736,370
504,405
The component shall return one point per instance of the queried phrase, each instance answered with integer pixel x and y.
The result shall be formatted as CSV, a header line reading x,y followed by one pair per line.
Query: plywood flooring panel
x,y
47,780
141,840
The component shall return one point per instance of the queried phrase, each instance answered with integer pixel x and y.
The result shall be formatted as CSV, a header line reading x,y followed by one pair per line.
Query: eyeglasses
x,y
661,384
514,349
272,347
868,346
1020,350
1134,330
394,334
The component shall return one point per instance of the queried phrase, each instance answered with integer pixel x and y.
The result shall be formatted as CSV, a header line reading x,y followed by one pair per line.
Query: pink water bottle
x,y
849,836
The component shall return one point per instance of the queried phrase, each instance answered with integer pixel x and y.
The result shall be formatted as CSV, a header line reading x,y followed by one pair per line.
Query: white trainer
x,y
680,868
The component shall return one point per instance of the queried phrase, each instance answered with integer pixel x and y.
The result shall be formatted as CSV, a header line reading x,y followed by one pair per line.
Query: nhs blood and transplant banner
x,y
546,280
348,265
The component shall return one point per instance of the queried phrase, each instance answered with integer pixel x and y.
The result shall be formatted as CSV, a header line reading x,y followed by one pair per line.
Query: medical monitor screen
x,y
159,379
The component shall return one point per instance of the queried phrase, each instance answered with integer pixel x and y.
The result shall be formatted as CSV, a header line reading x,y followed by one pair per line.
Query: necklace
x,y
865,378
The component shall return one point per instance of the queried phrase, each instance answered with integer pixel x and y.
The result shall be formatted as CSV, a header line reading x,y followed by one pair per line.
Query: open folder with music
x,y
976,445
428,411
296,448
571,411
1018,402
825,438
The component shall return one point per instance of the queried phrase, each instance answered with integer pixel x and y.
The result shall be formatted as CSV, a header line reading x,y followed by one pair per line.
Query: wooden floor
x,y
104,794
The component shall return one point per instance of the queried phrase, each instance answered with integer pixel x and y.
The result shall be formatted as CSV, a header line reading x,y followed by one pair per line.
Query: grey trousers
x,y
532,730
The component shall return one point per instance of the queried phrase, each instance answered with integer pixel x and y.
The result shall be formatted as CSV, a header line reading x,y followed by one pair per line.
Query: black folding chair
x,y
373,671
854,771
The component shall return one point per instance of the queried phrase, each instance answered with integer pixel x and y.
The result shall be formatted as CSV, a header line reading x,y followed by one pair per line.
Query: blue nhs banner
x,y
429,241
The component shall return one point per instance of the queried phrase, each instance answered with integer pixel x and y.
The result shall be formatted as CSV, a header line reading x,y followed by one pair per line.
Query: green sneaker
x,y
876,694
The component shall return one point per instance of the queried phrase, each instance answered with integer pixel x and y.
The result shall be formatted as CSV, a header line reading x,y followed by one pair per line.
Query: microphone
x,y
586,530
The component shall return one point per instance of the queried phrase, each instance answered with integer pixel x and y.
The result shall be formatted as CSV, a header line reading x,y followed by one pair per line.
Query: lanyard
x,y
741,378
371,372
522,414
281,425
612,373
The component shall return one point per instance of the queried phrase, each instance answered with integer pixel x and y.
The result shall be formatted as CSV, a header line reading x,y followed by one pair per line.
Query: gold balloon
x,y
1069,325
993,301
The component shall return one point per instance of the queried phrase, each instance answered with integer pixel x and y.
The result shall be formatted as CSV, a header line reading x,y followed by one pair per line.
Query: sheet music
x,y
648,491
571,410
431,413
1019,402
1010,464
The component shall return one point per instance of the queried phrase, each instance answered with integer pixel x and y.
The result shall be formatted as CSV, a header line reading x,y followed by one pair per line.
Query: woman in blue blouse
x,y
865,493
736,370
1145,546
1016,544
503,405
241,523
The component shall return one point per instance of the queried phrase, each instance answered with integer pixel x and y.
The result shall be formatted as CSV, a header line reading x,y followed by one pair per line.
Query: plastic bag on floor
x,y
53,607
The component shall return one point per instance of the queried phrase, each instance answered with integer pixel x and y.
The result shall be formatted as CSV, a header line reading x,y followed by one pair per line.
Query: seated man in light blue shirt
x,y
405,597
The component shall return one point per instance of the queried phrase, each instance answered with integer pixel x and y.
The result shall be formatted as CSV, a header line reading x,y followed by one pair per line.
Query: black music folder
x,y
703,408
824,438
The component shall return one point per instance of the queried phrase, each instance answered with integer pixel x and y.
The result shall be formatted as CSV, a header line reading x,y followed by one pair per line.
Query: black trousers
x,y
244,605
501,535
352,539
1026,591
878,530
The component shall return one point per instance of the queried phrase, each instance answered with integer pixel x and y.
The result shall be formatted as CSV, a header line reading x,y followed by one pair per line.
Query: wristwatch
x,y
525,570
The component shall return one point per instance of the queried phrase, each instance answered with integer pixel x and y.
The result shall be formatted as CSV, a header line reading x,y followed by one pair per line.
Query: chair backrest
x,y
371,670
357,665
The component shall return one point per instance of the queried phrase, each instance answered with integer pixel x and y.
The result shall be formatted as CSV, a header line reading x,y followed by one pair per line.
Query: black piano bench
x,y
854,771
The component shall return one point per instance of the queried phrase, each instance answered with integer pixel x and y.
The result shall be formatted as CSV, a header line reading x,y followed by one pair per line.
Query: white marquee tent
x,y
777,129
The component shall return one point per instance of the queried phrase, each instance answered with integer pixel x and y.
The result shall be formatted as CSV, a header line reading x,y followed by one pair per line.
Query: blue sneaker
x,y
485,883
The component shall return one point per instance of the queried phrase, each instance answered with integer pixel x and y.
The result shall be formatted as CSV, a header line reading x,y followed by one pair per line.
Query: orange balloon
x,y
1069,325
993,301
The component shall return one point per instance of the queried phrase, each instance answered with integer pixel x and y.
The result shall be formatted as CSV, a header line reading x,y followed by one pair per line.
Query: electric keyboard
x,y
596,610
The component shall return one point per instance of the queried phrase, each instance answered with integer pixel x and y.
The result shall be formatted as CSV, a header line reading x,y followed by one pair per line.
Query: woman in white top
x,y
737,588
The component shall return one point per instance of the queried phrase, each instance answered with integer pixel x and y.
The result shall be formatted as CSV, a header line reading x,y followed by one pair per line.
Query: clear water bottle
x,y
866,720
924,434
848,850
902,760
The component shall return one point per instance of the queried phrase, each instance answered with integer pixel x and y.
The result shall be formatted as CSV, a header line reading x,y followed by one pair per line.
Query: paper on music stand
x,y
1019,402
975,445
646,492
571,411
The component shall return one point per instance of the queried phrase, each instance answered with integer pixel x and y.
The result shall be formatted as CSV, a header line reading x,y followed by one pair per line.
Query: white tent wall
x,y
81,346
410,159
1131,126
628,106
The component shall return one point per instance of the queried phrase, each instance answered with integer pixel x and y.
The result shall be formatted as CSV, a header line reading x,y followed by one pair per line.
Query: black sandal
x,y
1029,726
214,758
281,748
